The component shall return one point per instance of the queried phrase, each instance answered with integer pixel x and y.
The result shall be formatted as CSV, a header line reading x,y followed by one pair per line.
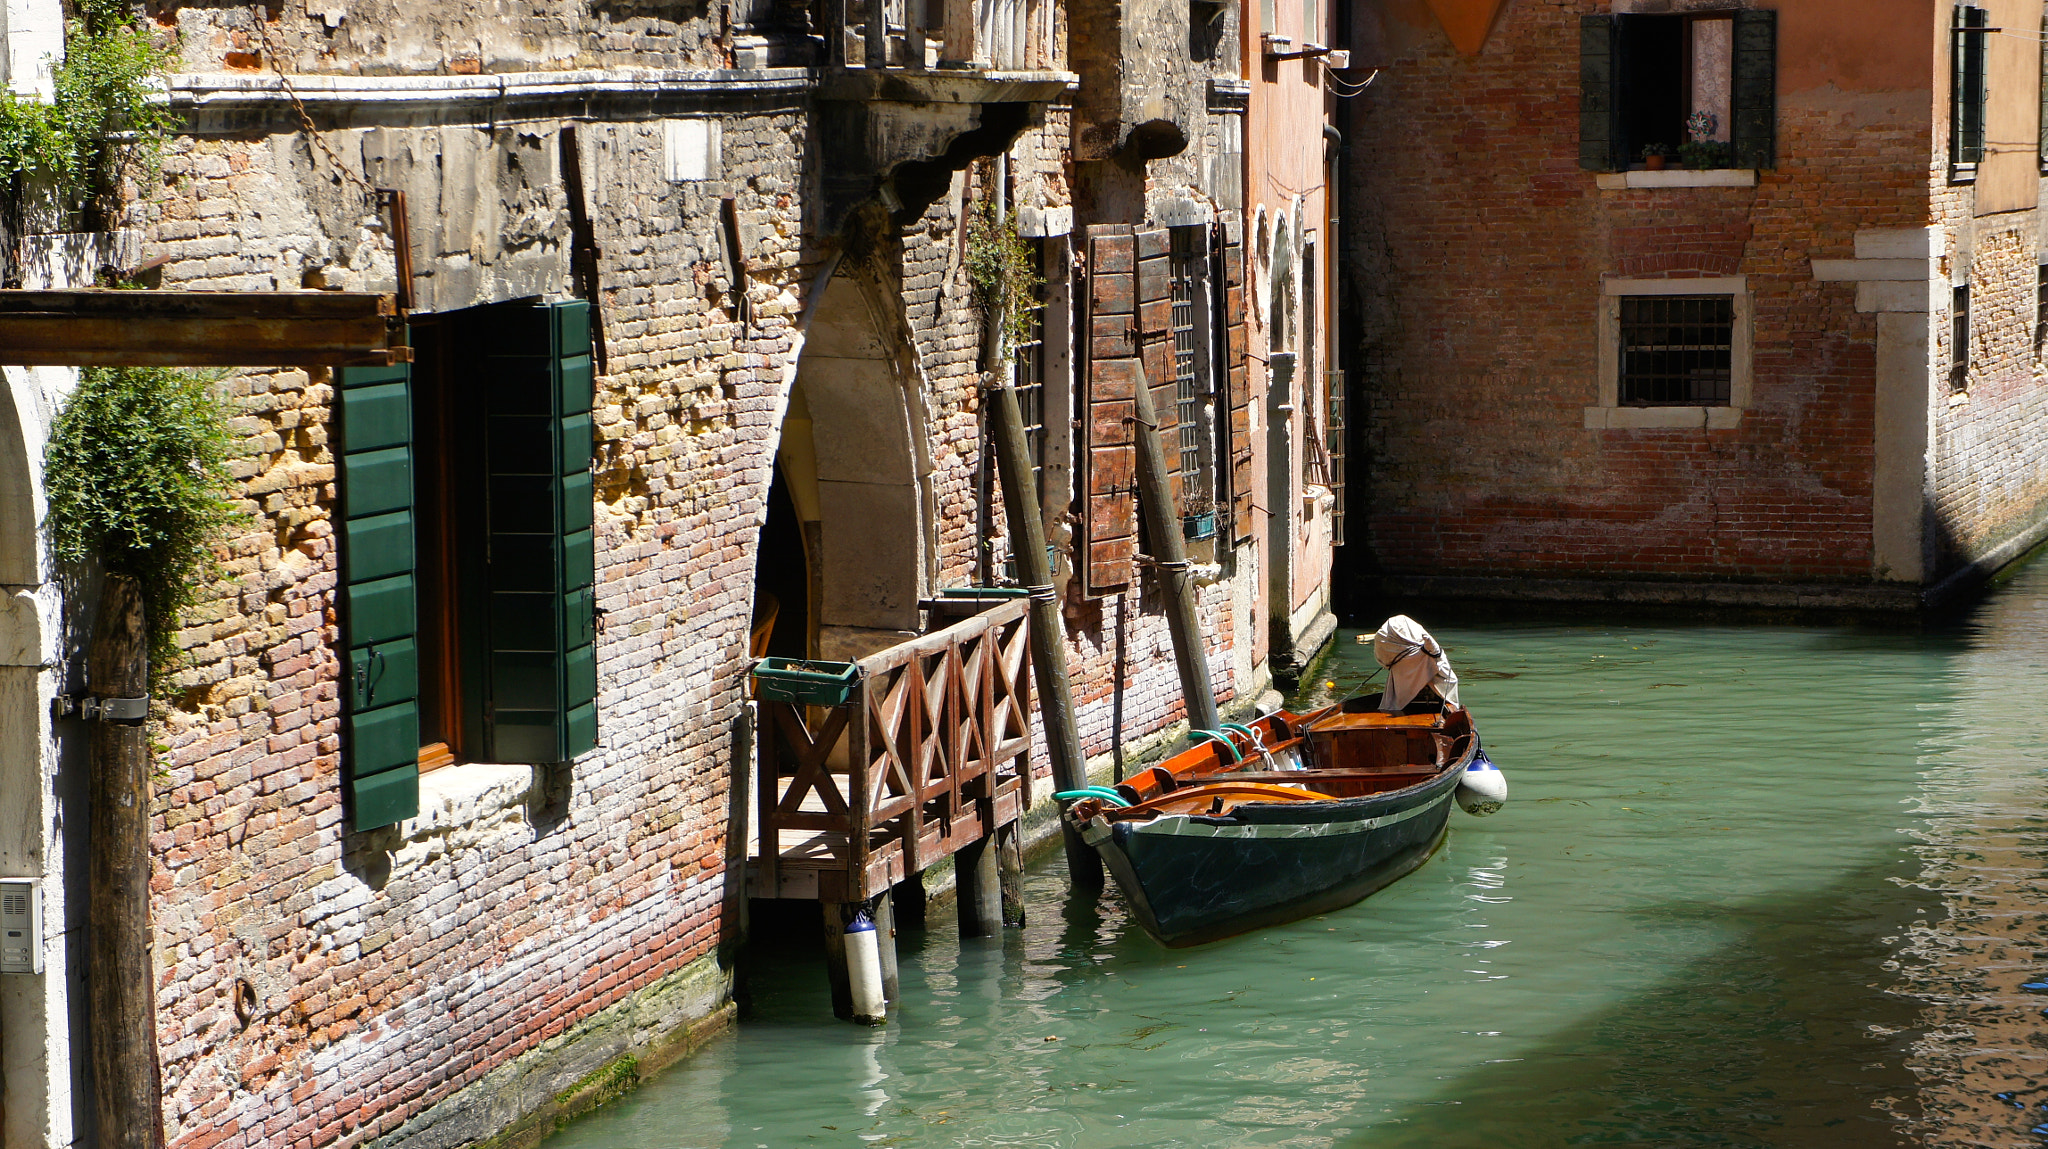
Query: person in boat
x,y
1415,663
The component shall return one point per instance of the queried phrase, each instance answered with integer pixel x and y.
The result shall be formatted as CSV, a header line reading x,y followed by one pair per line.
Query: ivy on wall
x,y
137,475
1001,276
107,115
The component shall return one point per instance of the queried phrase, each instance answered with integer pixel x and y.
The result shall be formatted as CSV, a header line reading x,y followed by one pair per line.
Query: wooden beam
x,y
110,328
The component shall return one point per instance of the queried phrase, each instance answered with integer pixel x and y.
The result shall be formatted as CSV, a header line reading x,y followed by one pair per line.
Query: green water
x,y
1754,886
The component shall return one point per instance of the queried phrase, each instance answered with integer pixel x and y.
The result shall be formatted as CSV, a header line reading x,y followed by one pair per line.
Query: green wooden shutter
x,y
1754,103
381,723
1599,110
1966,122
540,567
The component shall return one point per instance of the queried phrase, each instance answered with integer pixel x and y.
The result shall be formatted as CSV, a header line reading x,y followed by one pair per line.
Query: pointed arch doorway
x,y
845,545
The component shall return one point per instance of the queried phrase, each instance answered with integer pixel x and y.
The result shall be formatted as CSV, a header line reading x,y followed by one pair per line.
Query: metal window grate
x,y
1186,384
1959,339
1677,350
1027,371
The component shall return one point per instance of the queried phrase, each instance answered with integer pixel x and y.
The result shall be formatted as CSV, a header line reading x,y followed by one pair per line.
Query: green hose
x,y
1198,735
1102,792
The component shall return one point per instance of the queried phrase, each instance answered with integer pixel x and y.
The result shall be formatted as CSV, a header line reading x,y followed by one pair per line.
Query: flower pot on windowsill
x,y
1200,526
1653,163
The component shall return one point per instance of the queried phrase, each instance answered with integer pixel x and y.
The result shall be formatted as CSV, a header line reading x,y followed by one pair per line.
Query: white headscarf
x,y
1413,660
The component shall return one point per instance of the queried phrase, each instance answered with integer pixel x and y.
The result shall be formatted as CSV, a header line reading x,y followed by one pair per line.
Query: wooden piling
x,y
834,917
885,940
1048,631
120,983
978,885
1010,873
1169,556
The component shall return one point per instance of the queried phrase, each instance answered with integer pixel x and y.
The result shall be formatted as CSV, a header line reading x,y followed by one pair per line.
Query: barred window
x,y
1027,371
1676,350
1186,371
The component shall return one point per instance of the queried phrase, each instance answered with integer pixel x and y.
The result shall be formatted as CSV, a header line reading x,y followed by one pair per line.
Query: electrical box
x,y
21,925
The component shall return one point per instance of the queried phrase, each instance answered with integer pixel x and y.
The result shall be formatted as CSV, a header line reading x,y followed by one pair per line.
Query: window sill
x,y
464,795
1677,178
1662,418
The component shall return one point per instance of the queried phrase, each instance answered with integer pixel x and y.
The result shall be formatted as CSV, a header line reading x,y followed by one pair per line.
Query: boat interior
x,y
1349,750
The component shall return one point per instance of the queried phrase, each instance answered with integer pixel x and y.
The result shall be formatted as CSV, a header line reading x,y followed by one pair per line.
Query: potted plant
x,y
1653,156
1198,519
1700,149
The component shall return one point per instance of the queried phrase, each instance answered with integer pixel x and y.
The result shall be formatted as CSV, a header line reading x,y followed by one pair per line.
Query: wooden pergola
x,y
102,327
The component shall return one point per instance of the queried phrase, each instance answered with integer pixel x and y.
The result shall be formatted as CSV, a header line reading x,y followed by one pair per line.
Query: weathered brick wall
x,y
390,970
1483,249
1990,459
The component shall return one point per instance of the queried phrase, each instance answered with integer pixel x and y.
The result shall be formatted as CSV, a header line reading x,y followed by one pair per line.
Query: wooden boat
x,y
1297,815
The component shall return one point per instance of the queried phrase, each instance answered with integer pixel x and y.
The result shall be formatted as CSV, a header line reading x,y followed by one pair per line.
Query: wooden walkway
x,y
930,756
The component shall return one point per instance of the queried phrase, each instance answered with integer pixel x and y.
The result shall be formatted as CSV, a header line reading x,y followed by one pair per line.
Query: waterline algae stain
x,y
1759,886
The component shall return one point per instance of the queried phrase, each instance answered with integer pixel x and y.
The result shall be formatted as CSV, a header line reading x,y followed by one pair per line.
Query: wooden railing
x,y
967,34
930,754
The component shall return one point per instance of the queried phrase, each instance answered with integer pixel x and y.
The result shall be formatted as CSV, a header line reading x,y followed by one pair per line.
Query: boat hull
x,y
1191,880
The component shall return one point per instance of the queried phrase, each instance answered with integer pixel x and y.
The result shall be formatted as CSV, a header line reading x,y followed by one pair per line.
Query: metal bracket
x,y
93,708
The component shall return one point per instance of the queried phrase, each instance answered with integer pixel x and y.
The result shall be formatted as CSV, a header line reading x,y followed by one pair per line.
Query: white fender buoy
x,y
864,970
1483,788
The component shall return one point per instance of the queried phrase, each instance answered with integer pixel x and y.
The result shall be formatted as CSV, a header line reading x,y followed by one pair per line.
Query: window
x,y
1959,339
1969,38
1699,86
1027,371
1676,350
468,569
1673,353
1192,390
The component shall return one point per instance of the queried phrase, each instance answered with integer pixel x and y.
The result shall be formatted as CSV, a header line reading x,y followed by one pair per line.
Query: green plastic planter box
x,y
778,679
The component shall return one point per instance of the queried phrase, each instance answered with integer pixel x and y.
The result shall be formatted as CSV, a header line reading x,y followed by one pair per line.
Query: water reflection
x,y
1756,887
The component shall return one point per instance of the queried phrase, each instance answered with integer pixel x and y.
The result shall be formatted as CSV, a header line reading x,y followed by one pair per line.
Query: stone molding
x,y
1681,178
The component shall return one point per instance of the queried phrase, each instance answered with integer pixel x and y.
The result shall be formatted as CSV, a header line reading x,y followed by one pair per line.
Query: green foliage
x,y
103,118
137,473
1000,274
1706,155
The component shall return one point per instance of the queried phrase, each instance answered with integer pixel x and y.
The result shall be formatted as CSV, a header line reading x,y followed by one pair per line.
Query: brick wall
x,y
381,974
1483,249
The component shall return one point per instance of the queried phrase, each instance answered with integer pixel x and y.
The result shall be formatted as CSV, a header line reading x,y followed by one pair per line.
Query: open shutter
x,y
1107,456
1753,104
1155,348
1237,436
1599,110
1966,126
381,723
540,680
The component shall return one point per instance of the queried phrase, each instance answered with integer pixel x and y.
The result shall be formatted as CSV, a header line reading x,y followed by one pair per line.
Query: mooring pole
x,y
1048,634
1176,580
121,987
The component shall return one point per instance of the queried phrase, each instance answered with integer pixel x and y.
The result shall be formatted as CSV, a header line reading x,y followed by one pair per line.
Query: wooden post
x,y
1048,631
1176,581
1010,874
834,917
885,940
121,986
978,883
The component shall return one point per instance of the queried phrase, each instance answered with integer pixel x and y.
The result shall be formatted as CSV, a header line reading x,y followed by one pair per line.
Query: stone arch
x,y
854,463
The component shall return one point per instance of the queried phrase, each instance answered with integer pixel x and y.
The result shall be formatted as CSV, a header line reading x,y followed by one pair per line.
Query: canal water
x,y
1754,886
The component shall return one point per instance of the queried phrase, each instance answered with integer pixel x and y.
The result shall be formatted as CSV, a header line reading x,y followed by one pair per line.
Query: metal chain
x,y
299,106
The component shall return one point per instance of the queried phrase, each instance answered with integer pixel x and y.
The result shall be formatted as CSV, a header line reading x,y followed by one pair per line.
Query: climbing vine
x,y
1001,276
107,115
137,475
